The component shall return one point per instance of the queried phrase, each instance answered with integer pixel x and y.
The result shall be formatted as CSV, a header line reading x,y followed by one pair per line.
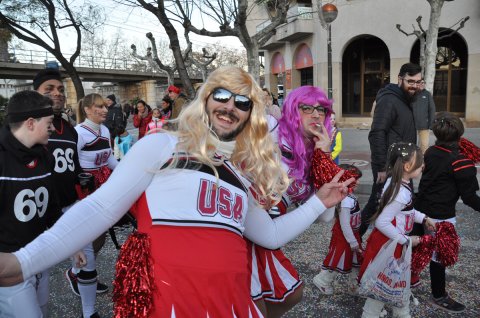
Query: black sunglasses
x,y
223,95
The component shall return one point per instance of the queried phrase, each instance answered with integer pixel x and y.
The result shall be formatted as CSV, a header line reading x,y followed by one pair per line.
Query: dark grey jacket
x,y
392,122
423,108
115,119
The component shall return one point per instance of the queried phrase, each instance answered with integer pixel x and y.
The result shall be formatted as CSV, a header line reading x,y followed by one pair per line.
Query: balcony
x,y
299,24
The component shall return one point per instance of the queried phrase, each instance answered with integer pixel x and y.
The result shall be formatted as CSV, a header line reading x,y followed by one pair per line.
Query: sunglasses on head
x,y
223,95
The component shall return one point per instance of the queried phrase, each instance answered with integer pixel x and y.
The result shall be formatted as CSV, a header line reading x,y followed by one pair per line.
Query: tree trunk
x,y
77,82
253,62
177,52
431,42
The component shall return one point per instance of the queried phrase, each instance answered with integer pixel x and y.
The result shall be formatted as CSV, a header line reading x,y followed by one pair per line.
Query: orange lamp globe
x,y
329,12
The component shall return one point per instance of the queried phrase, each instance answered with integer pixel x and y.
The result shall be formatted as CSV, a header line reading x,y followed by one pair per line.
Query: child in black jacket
x,y
448,176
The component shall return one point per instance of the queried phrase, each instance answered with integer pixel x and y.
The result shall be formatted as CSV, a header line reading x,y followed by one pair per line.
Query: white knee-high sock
x,y
372,308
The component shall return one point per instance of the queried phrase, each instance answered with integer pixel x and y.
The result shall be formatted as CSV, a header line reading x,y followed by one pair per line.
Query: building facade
x,y
367,51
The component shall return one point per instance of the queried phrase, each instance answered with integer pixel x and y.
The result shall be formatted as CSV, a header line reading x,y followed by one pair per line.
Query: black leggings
x,y
437,279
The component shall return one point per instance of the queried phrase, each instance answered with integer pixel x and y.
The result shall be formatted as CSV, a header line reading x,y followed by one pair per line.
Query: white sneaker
x,y
325,289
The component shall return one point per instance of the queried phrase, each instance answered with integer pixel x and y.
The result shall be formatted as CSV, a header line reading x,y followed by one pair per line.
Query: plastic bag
x,y
388,279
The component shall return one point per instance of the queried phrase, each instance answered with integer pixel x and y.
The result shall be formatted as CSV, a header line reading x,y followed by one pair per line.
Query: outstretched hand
x,y
334,192
10,270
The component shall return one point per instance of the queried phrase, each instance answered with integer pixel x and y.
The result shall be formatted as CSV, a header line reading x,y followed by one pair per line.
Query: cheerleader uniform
x,y
394,222
392,225
195,223
345,235
94,151
95,157
274,277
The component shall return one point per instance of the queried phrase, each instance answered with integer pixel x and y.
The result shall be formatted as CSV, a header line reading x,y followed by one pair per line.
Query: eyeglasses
x,y
223,95
412,82
308,109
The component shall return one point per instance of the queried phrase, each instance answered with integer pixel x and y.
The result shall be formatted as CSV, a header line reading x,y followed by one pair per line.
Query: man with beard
x,y
191,191
63,145
392,122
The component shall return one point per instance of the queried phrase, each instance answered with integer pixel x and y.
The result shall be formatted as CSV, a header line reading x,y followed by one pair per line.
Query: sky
x,y
133,24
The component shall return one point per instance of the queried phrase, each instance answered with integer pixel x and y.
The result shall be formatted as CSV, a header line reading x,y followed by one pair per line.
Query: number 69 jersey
x,y
27,204
62,144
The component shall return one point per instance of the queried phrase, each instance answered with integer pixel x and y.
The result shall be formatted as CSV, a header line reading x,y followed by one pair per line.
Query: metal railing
x,y
44,57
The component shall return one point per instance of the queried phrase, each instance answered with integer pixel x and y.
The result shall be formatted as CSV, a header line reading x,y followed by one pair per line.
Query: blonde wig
x,y
87,102
255,153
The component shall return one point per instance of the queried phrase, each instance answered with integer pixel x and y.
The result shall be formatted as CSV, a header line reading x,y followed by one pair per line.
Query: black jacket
x,y
448,175
28,204
115,119
392,122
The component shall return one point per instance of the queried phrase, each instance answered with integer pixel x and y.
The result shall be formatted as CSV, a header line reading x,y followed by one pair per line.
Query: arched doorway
x,y
450,85
365,69
277,77
304,64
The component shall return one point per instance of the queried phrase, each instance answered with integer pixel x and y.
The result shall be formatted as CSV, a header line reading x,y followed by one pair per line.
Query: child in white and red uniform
x,y
395,216
346,244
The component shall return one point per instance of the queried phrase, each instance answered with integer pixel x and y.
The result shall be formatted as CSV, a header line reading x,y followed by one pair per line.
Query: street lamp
x,y
330,13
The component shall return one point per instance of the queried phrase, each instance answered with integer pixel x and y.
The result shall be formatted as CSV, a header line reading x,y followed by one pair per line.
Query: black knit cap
x,y
112,98
28,104
45,75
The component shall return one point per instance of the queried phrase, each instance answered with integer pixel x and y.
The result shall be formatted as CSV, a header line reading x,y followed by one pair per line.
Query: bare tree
x,y
40,22
202,61
421,35
230,16
158,8
5,38
154,60
431,41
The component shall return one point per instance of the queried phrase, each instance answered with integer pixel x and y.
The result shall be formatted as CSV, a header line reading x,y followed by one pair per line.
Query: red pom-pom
x,y
324,169
134,283
422,253
469,150
447,243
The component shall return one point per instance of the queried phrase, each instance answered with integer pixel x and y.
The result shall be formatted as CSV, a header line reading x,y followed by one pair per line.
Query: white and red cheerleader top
x,y
174,197
397,218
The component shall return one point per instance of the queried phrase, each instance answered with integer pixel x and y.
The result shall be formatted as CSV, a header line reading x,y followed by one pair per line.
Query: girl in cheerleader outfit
x,y
395,216
346,244
96,157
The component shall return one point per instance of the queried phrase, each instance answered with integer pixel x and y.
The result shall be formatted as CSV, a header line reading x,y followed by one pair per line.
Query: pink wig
x,y
291,129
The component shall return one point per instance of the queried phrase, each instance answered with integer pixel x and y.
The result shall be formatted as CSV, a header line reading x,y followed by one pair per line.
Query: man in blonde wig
x,y
192,195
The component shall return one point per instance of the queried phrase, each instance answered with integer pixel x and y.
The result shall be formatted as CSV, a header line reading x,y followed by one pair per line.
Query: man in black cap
x,y
63,145
28,204
114,117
